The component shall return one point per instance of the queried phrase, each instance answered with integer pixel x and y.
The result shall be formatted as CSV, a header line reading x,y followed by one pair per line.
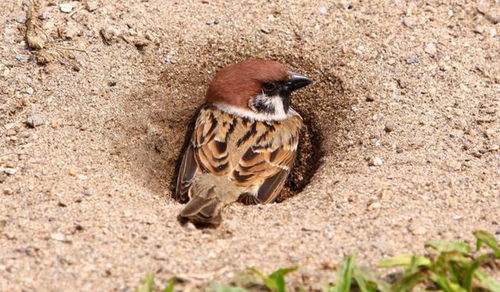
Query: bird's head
x,y
256,89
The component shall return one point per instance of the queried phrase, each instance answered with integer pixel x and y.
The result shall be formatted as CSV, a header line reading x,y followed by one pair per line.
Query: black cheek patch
x,y
261,107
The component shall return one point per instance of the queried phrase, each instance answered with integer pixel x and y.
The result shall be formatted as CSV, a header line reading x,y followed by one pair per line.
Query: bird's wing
x,y
268,161
206,152
186,173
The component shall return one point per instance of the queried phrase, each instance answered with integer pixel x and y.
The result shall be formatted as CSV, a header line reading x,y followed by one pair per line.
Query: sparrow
x,y
244,141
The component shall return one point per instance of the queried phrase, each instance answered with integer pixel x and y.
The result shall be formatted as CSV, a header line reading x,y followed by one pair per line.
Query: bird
x,y
244,141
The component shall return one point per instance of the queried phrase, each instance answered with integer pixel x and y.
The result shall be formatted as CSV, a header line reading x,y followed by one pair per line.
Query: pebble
x,y
60,237
7,191
389,127
456,134
491,14
29,90
21,19
34,120
409,21
374,206
67,7
370,98
91,5
418,230
72,172
478,29
11,132
265,30
430,49
323,10
412,60
23,58
10,170
375,161
81,177
212,22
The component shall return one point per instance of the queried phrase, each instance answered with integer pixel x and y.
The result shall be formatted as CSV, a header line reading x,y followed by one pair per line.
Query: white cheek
x,y
276,101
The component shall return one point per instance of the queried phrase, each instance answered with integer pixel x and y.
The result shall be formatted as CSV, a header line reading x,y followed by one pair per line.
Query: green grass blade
x,y
487,282
344,276
445,284
488,239
170,286
278,278
148,284
449,246
404,261
275,281
367,281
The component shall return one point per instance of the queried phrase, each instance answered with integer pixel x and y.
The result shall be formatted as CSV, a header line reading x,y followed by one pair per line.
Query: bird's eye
x,y
268,86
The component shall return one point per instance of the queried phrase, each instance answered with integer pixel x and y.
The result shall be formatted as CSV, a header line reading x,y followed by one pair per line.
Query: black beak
x,y
297,81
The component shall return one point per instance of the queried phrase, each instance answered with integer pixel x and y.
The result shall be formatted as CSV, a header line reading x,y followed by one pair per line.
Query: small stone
x,y
60,237
11,132
376,161
323,10
212,22
391,61
430,49
374,206
294,258
412,60
23,58
189,227
419,230
265,30
491,14
34,120
478,29
409,21
7,191
369,98
389,127
81,177
91,5
67,7
21,19
30,90
456,134
10,170
72,172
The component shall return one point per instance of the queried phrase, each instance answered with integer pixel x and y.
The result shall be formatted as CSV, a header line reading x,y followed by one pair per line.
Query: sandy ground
x,y
403,128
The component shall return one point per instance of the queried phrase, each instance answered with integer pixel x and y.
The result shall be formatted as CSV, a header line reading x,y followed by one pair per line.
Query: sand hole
x,y
161,116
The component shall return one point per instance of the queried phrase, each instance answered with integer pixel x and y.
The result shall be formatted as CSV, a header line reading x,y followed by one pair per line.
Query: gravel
x,y
34,120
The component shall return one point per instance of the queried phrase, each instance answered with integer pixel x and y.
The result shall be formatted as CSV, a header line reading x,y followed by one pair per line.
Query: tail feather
x,y
202,212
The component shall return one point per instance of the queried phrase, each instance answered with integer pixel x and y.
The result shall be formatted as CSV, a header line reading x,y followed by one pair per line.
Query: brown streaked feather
x,y
186,173
271,187
255,157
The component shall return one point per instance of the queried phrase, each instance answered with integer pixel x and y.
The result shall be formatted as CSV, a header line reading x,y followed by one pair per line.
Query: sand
x,y
401,144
